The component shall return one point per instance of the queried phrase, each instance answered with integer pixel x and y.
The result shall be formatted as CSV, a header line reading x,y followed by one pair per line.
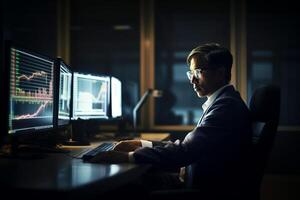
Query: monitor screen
x,y
30,91
64,92
90,96
116,97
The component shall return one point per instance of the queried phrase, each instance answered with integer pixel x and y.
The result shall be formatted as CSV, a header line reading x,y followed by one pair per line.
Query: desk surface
x,y
60,173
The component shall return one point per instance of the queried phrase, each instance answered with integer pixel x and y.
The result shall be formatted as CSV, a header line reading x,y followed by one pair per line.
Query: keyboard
x,y
106,146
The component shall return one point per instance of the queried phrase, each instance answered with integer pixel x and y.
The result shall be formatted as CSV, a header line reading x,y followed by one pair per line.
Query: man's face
x,y
207,81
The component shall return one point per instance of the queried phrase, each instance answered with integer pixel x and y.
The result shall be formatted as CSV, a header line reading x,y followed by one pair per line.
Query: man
x,y
214,152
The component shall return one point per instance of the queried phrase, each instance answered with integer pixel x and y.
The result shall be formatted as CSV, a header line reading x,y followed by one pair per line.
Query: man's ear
x,y
221,71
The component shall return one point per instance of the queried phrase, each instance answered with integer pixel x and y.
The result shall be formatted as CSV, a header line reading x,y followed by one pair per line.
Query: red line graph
x,y
36,113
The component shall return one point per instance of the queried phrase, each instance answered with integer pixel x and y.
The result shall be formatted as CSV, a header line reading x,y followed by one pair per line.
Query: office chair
x,y
264,107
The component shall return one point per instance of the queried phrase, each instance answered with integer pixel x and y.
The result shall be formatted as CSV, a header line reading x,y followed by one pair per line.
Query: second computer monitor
x,y
90,96
64,93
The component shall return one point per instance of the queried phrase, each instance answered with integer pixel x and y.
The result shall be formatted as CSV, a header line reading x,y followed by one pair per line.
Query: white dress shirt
x,y
211,98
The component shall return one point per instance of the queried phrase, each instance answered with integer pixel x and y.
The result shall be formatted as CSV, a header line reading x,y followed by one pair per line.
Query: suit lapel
x,y
226,89
202,116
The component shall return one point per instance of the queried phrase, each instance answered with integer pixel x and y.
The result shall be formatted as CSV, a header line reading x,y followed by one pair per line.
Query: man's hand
x,y
127,145
113,157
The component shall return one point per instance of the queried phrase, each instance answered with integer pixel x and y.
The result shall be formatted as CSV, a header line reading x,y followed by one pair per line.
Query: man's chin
x,y
200,94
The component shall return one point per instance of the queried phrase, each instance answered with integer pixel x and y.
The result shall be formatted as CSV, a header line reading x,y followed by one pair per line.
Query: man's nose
x,y
193,80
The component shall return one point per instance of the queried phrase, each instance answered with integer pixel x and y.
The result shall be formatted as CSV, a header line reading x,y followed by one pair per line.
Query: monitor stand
x,y
72,142
79,136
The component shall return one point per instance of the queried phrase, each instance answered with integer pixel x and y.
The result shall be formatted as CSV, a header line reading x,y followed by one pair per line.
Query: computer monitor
x,y
63,93
116,97
30,90
90,96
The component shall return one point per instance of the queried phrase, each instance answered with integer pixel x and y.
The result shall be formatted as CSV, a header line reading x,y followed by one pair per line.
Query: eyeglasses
x,y
195,73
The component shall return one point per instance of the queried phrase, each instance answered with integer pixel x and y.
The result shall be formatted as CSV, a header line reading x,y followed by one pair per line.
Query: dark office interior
x,y
145,43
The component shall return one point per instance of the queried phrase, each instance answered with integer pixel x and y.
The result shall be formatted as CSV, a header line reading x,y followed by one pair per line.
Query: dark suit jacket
x,y
214,152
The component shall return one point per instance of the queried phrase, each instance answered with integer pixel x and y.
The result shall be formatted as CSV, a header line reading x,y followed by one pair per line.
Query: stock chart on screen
x,y
31,91
90,96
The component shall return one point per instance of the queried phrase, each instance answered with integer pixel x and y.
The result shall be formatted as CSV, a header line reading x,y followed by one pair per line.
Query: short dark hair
x,y
214,56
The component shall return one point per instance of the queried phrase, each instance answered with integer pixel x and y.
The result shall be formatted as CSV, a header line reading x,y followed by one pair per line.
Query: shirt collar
x,y
211,98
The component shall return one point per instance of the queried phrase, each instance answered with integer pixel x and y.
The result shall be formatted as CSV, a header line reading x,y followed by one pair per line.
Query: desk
x,y
59,174
154,136
141,135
